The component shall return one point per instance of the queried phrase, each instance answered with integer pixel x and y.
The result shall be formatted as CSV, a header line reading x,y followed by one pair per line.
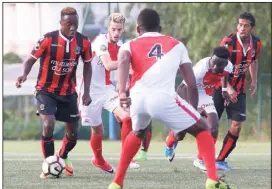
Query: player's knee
x,y
48,127
72,135
180,135
97,130
121,114
235,127
140,133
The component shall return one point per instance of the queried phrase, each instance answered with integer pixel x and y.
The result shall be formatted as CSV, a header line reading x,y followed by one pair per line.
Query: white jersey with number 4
x,y
155,59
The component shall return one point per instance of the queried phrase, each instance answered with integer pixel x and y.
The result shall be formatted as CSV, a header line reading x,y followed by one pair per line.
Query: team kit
x,y
146,68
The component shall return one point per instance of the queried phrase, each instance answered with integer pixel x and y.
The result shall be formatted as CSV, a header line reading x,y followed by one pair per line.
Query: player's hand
x,y
253,89
125,101
202,112
226,96
232,94
86,99
20,80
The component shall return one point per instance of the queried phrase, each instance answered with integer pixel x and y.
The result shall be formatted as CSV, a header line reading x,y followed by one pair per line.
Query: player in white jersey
x,y
155,59
105,48
209,72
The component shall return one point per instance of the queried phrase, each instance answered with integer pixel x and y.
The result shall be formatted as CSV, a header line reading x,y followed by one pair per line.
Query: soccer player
x,y
105,48
209,72
142,156
154,58
59,52
244,48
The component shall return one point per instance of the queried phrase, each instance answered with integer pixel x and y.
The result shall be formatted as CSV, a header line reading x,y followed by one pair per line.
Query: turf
x,y
22,166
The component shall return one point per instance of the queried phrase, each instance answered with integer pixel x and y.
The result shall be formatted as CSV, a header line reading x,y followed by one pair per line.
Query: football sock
x,y
47,144
229,144
130,148
205,144
147,138
96,145
126,127
170,139
199,155
67,146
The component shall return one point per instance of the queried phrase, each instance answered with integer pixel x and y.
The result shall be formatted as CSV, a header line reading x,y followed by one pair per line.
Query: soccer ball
x,y
53,166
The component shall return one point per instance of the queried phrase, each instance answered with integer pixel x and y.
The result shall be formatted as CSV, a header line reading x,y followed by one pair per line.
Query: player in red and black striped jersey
x,y
59,52
244,50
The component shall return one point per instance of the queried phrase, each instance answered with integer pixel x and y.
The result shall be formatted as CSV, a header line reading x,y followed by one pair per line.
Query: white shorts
x,y
91,115
206,102
175,112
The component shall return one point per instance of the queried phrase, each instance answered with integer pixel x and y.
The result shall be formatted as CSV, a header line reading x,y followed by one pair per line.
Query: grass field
x,y
22,166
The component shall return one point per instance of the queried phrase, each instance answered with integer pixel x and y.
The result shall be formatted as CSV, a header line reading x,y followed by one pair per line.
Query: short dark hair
x,y
248,16
221,52
68,11
149,19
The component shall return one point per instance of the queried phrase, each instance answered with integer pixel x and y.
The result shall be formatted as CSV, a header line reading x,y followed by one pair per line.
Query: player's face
x,y
218,66
69,25
244,28
115,31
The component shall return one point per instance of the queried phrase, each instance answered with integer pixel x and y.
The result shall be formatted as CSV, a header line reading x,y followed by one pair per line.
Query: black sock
x,y
67,146
147,138
229,144
47,144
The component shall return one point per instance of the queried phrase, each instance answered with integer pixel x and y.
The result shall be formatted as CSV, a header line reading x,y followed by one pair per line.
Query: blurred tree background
x,y
202,26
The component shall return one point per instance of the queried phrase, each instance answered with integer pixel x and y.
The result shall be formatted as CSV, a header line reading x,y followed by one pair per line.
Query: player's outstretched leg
x,y
68,143
124,120
142,156
212,120
47,139
96,145
170,146
206,148
130,148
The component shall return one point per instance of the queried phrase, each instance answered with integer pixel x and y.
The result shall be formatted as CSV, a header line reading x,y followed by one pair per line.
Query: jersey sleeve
x,y
86,54
184,55
100,45
40,47
125,47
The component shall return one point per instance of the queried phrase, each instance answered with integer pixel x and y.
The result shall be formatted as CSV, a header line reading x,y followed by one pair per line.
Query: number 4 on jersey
x,y
156,51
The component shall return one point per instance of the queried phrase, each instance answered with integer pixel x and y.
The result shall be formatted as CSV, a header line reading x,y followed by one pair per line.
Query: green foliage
x,y
11,58
204,24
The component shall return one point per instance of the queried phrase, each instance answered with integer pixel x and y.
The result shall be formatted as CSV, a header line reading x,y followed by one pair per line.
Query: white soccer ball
x,y
53,166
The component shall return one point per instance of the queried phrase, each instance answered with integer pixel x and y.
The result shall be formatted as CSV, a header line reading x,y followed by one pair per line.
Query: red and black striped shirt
x,y
58,61
241,59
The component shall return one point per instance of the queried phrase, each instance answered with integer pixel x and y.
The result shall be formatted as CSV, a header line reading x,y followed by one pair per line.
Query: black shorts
x,y
64,108
235,111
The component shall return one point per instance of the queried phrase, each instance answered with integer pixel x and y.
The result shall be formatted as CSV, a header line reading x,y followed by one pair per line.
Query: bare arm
x,y
28,65
253,70
87,76
189,77
27,68
124,59
108,63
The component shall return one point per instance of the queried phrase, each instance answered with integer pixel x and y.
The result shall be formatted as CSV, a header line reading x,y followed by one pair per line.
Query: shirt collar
x,y
63,37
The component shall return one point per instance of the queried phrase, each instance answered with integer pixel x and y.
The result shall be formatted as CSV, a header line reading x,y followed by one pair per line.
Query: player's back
x,y
155,59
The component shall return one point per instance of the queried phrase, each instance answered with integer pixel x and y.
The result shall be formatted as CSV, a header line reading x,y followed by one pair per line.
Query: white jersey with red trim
x,y
100,76
155,59
205,79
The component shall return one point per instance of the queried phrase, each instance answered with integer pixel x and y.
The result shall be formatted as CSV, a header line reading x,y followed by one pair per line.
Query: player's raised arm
x,y
37,51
